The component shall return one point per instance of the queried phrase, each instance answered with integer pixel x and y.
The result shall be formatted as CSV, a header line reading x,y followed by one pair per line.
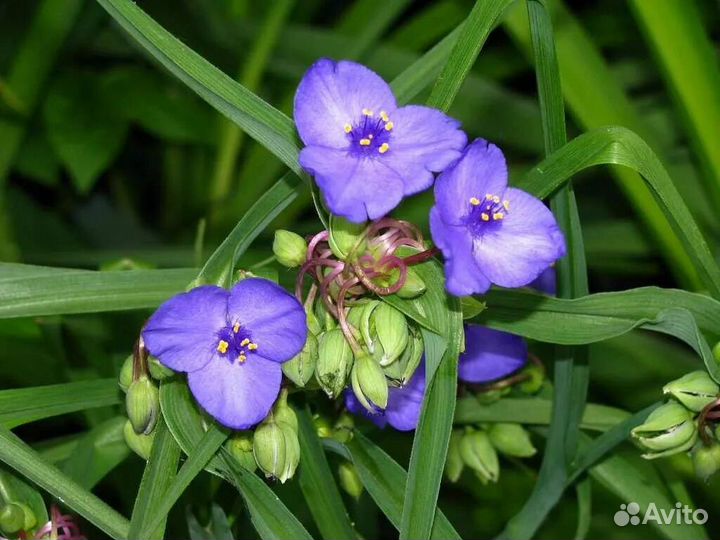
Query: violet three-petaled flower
x,y
490,233
490,354
365,152
403,407
231,344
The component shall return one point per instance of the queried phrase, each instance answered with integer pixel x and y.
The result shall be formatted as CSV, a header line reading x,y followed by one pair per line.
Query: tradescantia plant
x,y
287,378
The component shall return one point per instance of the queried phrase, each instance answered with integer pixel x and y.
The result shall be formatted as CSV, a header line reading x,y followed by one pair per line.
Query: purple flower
x,y
365,153
231,344
404,404
489,232
490,354
546,282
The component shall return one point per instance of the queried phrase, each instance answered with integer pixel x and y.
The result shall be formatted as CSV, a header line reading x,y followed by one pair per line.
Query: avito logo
x,y
629,514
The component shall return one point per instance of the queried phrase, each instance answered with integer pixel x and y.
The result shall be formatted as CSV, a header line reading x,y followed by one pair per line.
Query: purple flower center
x,y
370,135
235,343
487,213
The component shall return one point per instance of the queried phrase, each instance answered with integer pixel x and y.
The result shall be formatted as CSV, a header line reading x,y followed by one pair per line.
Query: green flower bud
x,y
126,374
282,412
694,390
511,440
300,368
369,383
289,248
706,460
491,396
414,285
536,378
343,429
454,463
391,330
322,427
157,370
292,452
478,453
313,323
143,405
276,449
668,429
346,239
30,517
334,362
240,447
402,370
350,480
12,518
716,352
138,443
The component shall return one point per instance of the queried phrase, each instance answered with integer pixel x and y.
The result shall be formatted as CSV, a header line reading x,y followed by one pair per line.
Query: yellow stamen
x,y
384,116
496,199
474,201
367,112
506,205
244,342
253,346
364,142
236,328
223,346
347,128
498,216
485,217
389,126
488,197
242,358
384,147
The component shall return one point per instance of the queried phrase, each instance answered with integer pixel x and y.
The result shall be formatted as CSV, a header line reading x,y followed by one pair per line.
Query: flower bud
x,y
706,460
300,368
292,452
138,443
240,447
694,390
511,440
350,480
322,426
313,323
157,370
343,429
346,239
478,453
391,330
535,380
414,285
289,248
716,352
276,449
282,412
369,383
454,464
143,405
402,370
334,362
126,374
668,429
12,518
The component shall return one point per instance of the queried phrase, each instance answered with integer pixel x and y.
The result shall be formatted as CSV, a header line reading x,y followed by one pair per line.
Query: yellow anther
x,y
384,116
371,136
253,346
384,147
244,342
389,126
474,201
364,142
506,205
236,328
223,346
488,197
367,112
347,128
498,216
242,358
496,199
485,217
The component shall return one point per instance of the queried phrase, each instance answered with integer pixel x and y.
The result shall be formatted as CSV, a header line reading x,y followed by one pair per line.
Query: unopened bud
x,y
334,362
12,518
414,285
322,426
402,370
694,390
143,405
391,330
138,443
158,371
343,429
454,464
301,367
478,453
313,323
240,447
706,460
350,480
346,239
511,440
369,383
289,248
126,374
535,380
276,449
716,352
282,412
669,429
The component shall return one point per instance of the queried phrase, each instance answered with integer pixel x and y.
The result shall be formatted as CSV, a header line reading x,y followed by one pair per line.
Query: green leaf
x,y
23,405
30,291
261,121
217,529
158,476
318,485
28,463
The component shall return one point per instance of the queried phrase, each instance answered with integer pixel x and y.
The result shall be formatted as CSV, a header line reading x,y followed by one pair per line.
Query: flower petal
x,y
526,243
424,141
182,333
404,404
481,170
490,354
332,94
462,274
274,318
356,188
357,408
238,395
546,282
